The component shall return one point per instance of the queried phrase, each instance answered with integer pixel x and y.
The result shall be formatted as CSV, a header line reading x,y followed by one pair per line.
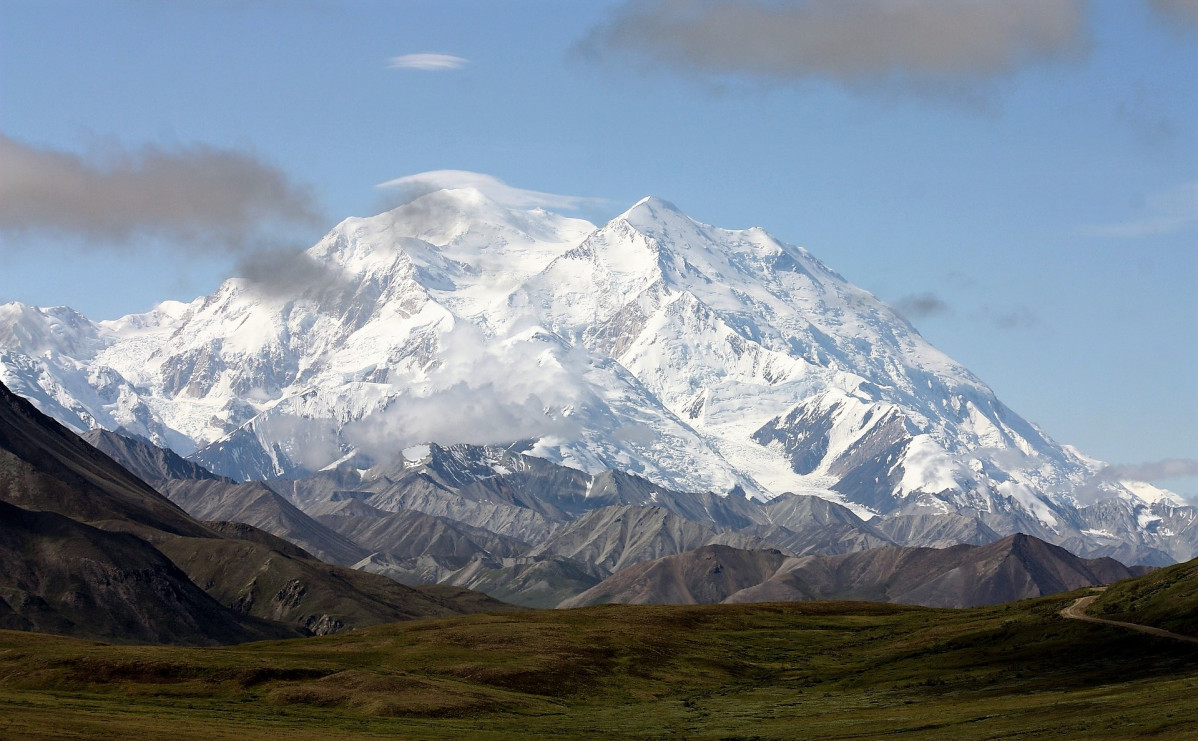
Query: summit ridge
x,y
701,358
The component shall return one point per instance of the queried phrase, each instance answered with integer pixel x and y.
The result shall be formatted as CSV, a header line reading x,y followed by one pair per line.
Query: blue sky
x,y
1020,177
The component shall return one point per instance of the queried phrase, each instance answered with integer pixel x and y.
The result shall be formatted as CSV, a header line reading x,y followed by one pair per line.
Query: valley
x,y
766,671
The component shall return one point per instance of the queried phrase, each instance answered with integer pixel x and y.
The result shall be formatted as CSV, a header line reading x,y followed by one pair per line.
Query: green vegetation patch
x,y
793,670
1166,598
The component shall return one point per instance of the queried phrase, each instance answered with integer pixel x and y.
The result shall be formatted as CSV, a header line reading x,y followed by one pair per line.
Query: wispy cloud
x,y
1165,212
411,187
1169,468
1009,318
1182,11
1144,117
197,197
914,43
427,62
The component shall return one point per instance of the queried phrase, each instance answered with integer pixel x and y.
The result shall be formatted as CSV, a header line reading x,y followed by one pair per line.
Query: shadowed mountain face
x,y
145,460
206,496
1013,568
65,569
44,466
62,576
703,576
258,505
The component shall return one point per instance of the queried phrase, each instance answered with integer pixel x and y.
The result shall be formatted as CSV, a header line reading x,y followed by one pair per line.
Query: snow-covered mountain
x,y
704,359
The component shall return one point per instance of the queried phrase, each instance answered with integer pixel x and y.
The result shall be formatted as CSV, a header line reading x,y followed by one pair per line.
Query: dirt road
x,y
1077,611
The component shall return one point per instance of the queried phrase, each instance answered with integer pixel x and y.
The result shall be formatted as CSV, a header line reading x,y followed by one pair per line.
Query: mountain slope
x,y
43,466
803,524
46,467
319,598
613,538
409,534
256,504
936,531
1013,568
58,575
205,496
703,576
1016,567
1167,598
143,459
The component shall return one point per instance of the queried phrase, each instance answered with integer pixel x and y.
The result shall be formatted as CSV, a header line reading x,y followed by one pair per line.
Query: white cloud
x,y
413,186
482,393
1166,212
426,62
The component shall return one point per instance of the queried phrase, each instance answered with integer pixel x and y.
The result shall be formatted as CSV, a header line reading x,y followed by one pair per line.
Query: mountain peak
x,y
491,188
699,357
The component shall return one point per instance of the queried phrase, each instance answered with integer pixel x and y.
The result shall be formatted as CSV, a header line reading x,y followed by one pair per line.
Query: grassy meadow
x,y
763,671
1166,598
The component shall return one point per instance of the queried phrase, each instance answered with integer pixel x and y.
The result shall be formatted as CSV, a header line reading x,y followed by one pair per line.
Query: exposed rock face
x,y
801,524
410,534
143,459
612,538
258,505
936,531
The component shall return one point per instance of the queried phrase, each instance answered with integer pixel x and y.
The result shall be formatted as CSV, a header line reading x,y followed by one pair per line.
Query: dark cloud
x,y
922,306
917,43
289,272
199,198
1169,468
1181,11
